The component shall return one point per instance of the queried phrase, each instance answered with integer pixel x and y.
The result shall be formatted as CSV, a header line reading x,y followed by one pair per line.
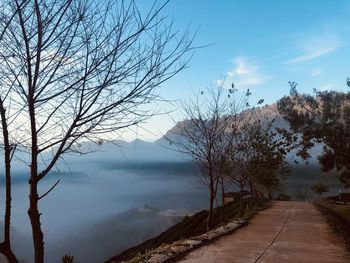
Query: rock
x,y
193,243
202,237
241,222
168,252
222,230
179,249
232,226
212,235
158,258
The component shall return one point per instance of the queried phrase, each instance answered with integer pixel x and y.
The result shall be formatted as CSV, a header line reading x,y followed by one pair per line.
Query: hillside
x,y
188,227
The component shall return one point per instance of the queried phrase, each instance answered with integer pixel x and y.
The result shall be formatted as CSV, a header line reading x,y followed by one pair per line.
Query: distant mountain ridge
x,y
119,151
265,113
161,150
136,150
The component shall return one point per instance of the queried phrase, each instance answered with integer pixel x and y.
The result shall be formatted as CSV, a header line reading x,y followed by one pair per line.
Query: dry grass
x,y
338,217
341,210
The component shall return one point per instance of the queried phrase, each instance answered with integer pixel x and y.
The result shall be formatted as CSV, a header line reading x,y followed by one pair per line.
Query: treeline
x,y
320,118
233,144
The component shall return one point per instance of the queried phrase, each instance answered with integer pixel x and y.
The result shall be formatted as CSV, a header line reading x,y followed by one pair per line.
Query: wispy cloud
x,y
244,74
315,72
315,47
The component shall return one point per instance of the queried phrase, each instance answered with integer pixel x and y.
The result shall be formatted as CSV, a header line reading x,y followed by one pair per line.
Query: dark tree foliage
x,y
266,165
320,118
319,188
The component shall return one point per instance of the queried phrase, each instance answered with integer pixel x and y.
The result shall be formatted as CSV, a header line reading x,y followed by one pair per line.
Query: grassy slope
x,y
342,211
189,226
338,216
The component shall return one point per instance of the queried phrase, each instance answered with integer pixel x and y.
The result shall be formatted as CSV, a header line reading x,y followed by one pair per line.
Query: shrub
x,y
68,258
319,188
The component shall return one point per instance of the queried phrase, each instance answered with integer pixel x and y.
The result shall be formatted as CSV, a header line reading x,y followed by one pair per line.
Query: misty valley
x,y
104,206
101,204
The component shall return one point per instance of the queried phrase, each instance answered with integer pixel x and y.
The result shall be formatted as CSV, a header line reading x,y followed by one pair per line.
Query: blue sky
x,y
260,45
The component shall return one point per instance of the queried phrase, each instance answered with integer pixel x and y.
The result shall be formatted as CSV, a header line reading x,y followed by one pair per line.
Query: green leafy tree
x,y
320,118
266,166
319,188
258,153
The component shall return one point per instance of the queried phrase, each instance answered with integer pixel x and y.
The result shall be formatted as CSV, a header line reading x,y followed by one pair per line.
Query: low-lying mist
x,y
108,201
96,210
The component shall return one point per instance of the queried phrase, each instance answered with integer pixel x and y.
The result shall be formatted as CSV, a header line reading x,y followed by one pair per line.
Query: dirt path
x,y
286,232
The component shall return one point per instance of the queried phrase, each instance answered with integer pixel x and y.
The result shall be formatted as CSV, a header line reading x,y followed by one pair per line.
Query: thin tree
x,y
242,117
200,136
5,246
6,18
78,70
238,116
221,152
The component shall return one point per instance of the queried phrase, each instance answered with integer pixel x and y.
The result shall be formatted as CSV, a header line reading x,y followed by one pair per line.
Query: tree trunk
x,y
252,194
258,193
8,253
222,199
241,199
33,211
5,247
34,216
211,205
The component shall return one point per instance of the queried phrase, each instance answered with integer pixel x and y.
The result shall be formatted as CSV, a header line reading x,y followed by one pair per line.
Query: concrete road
x,y
286,232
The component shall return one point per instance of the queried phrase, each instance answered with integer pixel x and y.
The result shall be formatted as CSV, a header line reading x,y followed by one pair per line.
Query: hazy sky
x,y
259,45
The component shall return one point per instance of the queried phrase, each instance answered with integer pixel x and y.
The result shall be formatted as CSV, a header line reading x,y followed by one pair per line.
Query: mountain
x,y
96,157
139,151
121,151
265,113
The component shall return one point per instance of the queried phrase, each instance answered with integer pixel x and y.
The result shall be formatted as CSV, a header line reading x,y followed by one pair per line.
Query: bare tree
x,y
241,115
78,70
229,146
201,137
6,19
5,246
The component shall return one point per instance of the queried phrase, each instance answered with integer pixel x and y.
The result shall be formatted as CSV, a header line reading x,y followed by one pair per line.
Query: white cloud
x,y
243,67
315,47
315,72
243,74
